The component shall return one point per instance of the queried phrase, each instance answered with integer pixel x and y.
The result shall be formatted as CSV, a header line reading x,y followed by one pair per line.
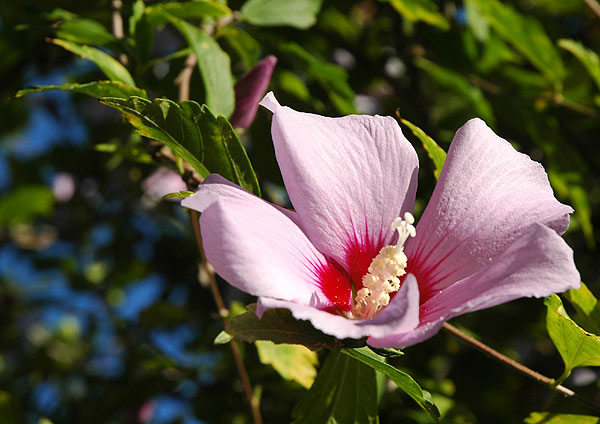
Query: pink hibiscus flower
x,y
349,259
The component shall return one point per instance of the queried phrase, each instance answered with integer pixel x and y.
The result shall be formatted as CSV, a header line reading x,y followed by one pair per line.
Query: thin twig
x,y
549,382
214,288
117,26
594,5
184,77
560,100
183,81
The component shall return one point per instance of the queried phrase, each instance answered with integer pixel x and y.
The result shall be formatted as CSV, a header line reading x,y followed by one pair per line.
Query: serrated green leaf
x,y
95,89
85,31
295,13
214,67
587,308
25,203
291,361
458,83
404,381
179,194
576,346
278,326
588,58
420,10
107,64
345,392
208,143
526,35
550,418
159,14
434,151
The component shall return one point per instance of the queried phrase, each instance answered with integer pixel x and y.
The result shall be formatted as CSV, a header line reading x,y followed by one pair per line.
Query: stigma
x,y
383,276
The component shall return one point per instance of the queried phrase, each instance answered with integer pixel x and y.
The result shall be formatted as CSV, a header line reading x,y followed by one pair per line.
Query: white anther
x,y
383,275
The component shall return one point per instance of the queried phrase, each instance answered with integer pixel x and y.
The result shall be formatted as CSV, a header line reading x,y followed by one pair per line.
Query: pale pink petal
x,y
487,195
162,181
249,90
256,248
401,315
348,178
537,264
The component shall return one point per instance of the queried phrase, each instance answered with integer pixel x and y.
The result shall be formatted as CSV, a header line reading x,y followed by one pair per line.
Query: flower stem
x,y
549,382
214,288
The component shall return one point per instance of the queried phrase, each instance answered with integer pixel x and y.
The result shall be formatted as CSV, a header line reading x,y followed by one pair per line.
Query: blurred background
x,y
102,318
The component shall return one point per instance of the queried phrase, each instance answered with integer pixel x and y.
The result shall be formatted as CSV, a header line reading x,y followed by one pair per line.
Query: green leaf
x,y
178,194
107,64
295,13
550,418
223,338
404,381
526,35
587,308
576,346
208,143
25,203
214,67
420,10
332,78
247,48
588,58
96,89
345,392
434,151
141,30
291,361
458,83
278,326
85,31
160,13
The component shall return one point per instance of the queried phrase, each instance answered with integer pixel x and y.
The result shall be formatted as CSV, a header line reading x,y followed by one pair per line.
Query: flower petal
x,y
258,249
401,315
487,195
348,178
249,89
537,264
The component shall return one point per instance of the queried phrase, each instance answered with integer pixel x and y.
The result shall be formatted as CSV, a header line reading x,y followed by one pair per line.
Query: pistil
x,y
383,277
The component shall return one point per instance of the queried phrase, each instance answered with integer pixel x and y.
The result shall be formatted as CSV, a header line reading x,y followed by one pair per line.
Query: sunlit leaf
x,y
587,308
85,31
296,13
214,65
178,194
434,151
345,392
526,35
278,326
420,10
95,89
588,58
550,418
292,362
160,13
458,83
208,143
404,381
576,346
107,64
25,203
